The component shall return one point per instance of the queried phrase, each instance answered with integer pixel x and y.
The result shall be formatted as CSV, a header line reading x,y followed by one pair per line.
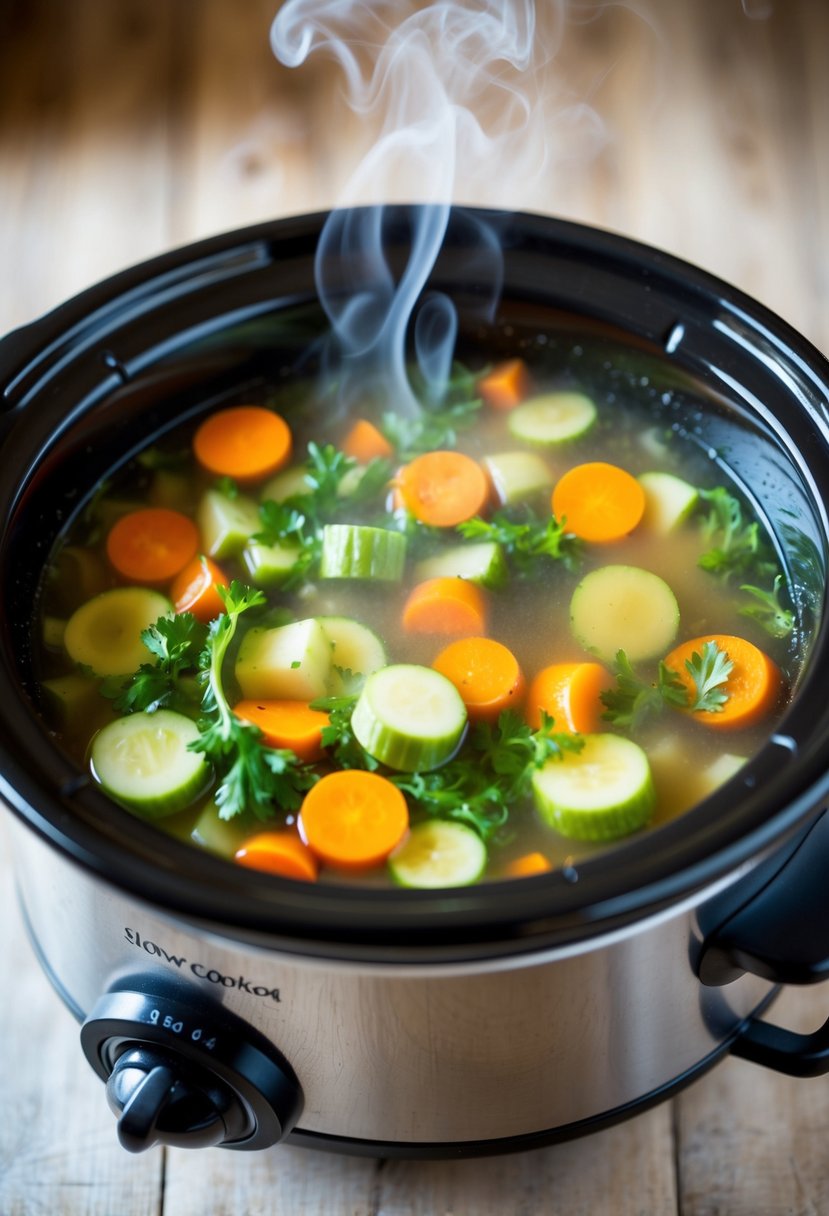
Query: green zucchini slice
x,y
439,853
408,717
599,793
145,761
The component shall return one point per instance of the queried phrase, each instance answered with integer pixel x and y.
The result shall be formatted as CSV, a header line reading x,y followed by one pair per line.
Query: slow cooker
x,y
225,1006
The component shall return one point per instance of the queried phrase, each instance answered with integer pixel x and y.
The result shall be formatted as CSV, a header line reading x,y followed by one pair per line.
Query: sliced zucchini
x,y
482,563
226,524
518,476
145,761
104,634
269,565
668,501
438,853
354,648
602,792
291,662
552,418
358,551
408,717
624,608
288,484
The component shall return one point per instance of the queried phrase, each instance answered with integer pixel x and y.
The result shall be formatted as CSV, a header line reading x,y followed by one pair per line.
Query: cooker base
x,y
518,1144
435,1151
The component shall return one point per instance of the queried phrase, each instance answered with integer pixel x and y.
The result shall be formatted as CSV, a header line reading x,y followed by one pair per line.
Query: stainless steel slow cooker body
x,y
227,1007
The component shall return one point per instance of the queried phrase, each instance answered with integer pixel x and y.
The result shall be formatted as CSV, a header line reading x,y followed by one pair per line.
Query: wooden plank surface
x,y
129,127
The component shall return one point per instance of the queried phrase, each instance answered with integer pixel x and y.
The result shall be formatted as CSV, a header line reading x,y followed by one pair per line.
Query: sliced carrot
x,y
152,545
753,688
570,694
353,819
290,724
280,853
445,605
443,488
599,502
506,385
246,442
530,863
194,589
364,443
485,673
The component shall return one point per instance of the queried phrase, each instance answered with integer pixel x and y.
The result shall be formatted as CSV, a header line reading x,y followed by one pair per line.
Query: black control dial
x,y
186,1072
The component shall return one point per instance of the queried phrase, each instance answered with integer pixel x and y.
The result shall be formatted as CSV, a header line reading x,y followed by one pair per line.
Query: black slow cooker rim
x,y
669,864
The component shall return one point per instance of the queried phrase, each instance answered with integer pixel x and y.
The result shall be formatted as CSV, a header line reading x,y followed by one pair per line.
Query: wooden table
x,y
131,126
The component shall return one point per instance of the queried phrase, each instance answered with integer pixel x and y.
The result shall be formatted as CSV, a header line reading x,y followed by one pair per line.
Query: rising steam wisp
x,y
457,86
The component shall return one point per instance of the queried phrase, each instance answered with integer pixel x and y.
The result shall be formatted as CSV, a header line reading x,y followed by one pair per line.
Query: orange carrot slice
x,y
290,724
599,502
152,545
445,605
364,443
353,819
570,694
506,385
280,853
485,673
753,687
194,589
443,488
246,442
530,863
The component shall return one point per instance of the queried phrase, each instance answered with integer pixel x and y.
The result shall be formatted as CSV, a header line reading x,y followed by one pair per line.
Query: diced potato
x,y
226,524
518,476
291,662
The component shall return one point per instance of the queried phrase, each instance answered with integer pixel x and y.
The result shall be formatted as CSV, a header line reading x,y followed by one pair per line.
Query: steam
x,y
465,117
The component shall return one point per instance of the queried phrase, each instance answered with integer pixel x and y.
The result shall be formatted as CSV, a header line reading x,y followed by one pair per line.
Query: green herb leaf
x,y
338,738
227,487
767,609
177,643
251,776
438,423
483,784
740,547
524,538
709,670
634,700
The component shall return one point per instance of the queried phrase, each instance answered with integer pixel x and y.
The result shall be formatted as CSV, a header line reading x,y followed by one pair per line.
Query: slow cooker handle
x,y
781,934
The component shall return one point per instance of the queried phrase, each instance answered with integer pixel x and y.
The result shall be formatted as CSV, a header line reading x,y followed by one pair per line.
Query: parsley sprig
x,y
177,643
634,700
739,547
740,550
251,776
709,670
767,610
524,537
437,425
481,786
299,519
338,738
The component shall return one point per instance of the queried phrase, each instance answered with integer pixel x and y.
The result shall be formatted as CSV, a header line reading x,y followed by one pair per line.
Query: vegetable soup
x,y
475,644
